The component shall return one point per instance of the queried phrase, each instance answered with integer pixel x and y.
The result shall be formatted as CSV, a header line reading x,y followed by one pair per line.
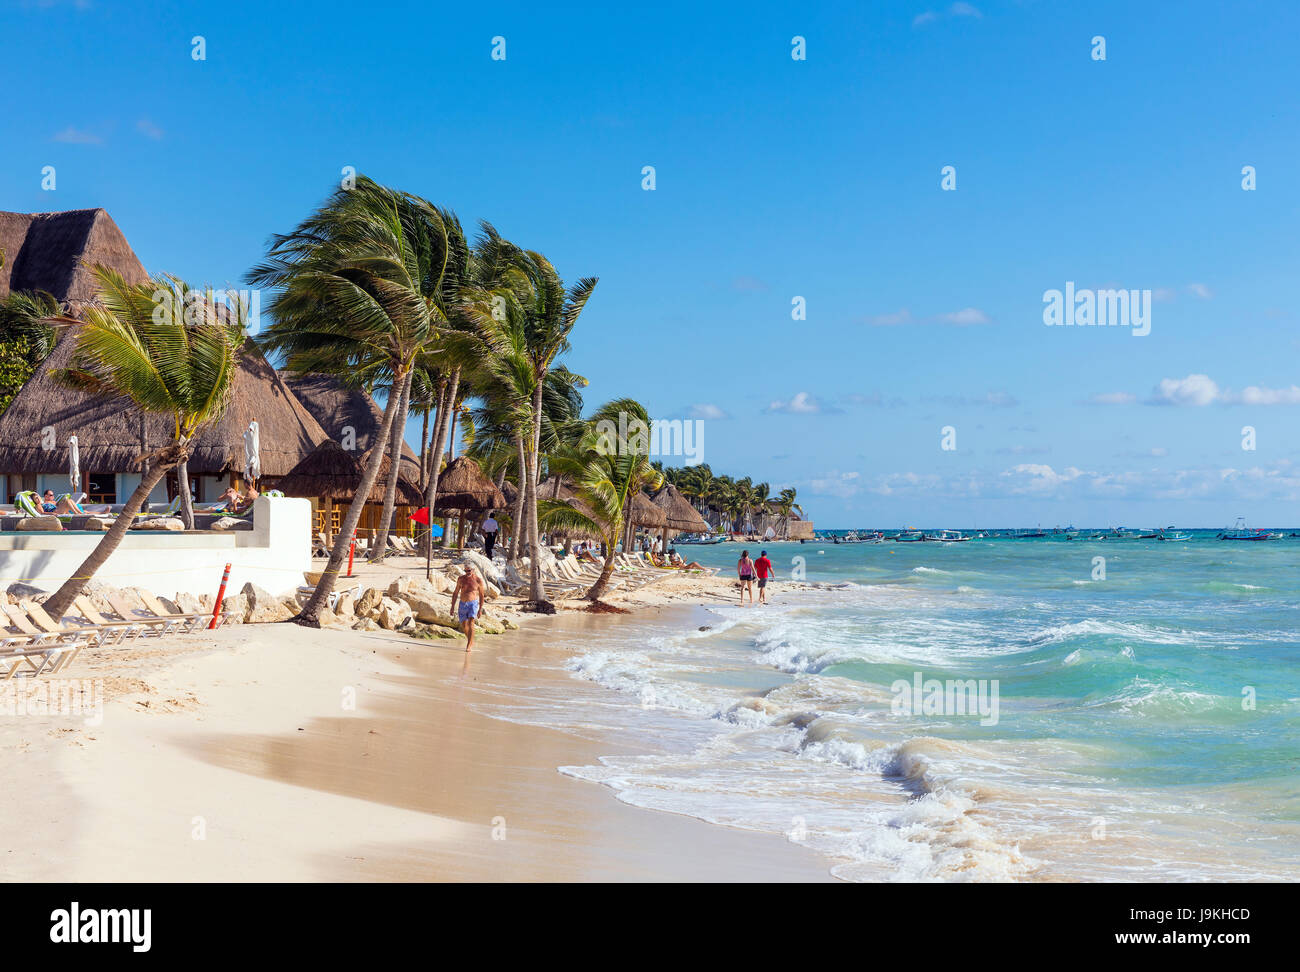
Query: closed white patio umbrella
x,y
252,453
74,466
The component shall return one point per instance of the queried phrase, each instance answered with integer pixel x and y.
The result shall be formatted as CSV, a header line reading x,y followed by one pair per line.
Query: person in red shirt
x,y
762,567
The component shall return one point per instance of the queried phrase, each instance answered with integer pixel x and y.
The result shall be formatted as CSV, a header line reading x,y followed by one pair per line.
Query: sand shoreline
x,y
274,752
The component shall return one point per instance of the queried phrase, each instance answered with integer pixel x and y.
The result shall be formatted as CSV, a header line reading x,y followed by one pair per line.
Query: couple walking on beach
x,y
749,570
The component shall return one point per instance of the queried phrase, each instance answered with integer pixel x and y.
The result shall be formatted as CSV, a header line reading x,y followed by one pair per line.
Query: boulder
x,y
160,523
32,524
264,607
416,586
366,624
328,619
224,524
393,614
97,524
368,603
345,607
235,607
426,609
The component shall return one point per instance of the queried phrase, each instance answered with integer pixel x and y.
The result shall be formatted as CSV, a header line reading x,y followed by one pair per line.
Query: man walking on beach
x,y
471,592
489,528
763,568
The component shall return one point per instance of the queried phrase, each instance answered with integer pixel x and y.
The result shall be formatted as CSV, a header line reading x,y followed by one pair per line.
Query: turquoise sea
x,y
1147,709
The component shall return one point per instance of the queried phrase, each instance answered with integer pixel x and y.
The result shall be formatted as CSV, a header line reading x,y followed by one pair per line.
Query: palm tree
x,y
172,363
352,292
605,476
525,315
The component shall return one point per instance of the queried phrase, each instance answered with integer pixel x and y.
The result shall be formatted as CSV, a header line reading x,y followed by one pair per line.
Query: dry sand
x,y
274,752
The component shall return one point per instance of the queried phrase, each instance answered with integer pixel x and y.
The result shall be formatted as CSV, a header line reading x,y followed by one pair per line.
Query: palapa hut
x,y
56,252
462,489
353,418
329,476
681,516
644,513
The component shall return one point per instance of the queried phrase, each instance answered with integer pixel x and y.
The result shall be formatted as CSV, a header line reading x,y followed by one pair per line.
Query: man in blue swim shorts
x,y
470,592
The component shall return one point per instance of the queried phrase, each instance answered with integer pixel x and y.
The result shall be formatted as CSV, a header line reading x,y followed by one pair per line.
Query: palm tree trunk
x,y
63,597
535,591
517,534
424,449
396,438
607,571
435,457
187,501
310,614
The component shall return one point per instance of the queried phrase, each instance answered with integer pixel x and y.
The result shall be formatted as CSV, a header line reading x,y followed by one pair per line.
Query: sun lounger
x,y
123,629
44,659
161,625
193,620
91,633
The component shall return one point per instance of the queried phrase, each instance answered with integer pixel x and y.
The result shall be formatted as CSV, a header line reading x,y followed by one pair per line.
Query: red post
x,y
221,596
352,546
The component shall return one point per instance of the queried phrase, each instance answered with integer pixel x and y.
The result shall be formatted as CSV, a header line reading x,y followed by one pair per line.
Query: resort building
x,y
54,252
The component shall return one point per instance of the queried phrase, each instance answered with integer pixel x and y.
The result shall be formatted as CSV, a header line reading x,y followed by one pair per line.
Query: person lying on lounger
x,y
63,506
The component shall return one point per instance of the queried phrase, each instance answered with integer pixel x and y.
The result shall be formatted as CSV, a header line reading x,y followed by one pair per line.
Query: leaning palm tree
x,y
351,292
606,471
161,347
550,313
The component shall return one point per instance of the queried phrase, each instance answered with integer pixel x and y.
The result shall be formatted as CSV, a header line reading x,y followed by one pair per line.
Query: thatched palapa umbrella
x,y
330,473
681,516
464,488
643,513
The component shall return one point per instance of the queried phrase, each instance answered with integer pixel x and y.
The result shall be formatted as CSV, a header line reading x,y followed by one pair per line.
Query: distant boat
x,y
1170,535
948,536
695,538
910,536
1241,532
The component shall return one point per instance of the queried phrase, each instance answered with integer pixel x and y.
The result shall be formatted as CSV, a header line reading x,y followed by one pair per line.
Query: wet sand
x,y
240,755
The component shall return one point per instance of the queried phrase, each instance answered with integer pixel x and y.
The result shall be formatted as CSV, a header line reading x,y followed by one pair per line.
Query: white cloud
x,y
960,9
922,19
1200,290
802,404
706,410
1194,390
1254,395
148,129
965,317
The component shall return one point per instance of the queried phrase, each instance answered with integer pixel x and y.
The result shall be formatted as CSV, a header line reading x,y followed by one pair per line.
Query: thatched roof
x,y
337,407
331,472
646,514
56,251
113,433
463,486
677,508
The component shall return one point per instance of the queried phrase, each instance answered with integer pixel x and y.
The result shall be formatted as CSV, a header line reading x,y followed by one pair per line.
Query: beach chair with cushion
x,y
29,504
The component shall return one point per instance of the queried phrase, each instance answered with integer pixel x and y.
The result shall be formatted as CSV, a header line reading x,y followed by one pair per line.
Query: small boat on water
x,y
948,536
697,539
1170,535
1241,532
910,536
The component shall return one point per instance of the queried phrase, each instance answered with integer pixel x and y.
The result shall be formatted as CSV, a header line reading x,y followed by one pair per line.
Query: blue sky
x,y
775,178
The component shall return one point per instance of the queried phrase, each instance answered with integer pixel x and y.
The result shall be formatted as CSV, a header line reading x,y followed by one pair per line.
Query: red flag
x,y
421,515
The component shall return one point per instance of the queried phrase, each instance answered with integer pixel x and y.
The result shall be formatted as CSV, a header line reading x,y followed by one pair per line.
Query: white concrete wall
x,y
273,555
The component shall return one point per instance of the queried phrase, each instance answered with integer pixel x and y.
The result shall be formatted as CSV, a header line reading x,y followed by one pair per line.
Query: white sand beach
x,y
276,752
